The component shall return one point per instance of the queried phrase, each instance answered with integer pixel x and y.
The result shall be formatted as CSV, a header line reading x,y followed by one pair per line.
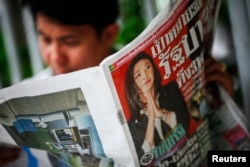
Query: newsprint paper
x,y
145,105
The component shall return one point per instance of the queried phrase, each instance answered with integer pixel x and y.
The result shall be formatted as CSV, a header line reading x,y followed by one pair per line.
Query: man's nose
x,y
56,53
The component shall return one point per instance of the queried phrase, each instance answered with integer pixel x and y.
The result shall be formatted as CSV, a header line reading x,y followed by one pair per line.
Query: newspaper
x,y
145,105
161,75
53,115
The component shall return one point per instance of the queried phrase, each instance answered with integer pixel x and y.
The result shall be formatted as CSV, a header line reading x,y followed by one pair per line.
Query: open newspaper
x,y
145,105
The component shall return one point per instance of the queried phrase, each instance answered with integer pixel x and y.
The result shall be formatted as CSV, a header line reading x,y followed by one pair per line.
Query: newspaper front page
x,y
160,84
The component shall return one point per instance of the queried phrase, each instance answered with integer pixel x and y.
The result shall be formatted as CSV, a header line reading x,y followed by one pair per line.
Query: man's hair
x,y
99,14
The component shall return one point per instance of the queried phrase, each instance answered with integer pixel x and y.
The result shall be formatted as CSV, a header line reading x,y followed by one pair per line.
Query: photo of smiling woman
x,y
155,109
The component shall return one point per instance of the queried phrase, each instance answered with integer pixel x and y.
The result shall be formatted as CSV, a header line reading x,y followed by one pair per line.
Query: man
x,y
75,34
72,35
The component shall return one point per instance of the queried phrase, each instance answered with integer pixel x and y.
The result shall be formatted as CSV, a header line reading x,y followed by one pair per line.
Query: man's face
x,y
69,48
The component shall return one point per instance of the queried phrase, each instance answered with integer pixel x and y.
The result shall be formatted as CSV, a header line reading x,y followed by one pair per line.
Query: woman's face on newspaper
x,y
67,48
144,75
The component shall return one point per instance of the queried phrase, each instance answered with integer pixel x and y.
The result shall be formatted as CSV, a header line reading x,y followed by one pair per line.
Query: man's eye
x,y
45,40
71,42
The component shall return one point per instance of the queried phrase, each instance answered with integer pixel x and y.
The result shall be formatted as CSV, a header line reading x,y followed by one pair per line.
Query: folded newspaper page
x,y
53,115
146,105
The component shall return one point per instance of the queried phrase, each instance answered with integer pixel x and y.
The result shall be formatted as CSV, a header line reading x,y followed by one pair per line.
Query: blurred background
x,y
20,58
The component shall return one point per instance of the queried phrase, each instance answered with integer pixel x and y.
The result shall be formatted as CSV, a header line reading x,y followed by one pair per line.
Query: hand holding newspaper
x,y
143,106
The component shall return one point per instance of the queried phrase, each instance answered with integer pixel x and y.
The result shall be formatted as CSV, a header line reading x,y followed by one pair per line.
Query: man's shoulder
x,y
47,72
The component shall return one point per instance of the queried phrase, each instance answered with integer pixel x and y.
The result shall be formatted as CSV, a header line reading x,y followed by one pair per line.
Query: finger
x,y
212,65
8,160
215,67
8,154
146,95
219,76
150,95
224,80
209,60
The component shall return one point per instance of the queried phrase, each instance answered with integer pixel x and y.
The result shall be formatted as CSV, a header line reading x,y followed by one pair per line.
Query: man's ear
x,y
110,34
